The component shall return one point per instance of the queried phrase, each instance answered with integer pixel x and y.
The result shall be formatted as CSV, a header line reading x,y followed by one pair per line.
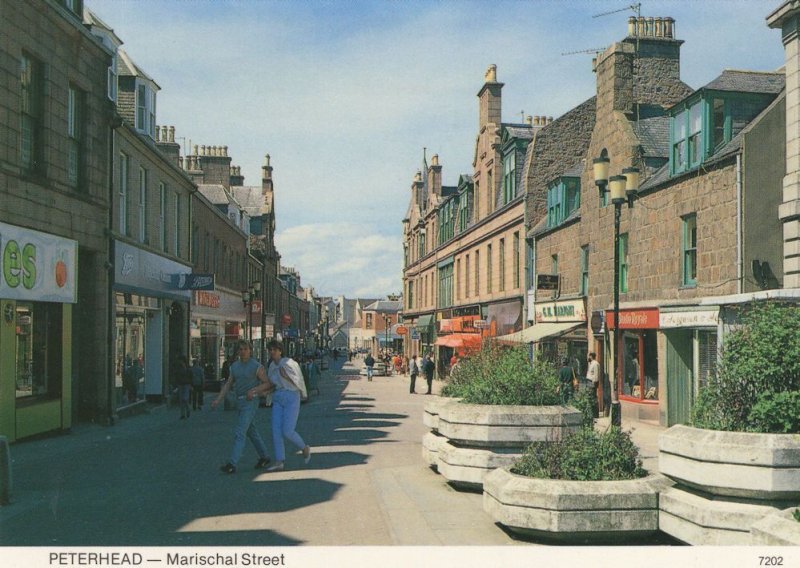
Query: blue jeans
x,y
285,410
369,372
246,425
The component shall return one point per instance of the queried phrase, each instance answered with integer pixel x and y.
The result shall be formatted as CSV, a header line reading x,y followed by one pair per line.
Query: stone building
x,y
702,232
150,228
465,244
56,122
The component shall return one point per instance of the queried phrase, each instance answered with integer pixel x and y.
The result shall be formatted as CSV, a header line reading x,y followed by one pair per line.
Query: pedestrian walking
x,y
566,377
248,380
369,362
413,369
428,367
183,378
593,376
286,380
197,385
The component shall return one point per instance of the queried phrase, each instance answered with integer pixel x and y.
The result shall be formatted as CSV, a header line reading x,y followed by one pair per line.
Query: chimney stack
x,y
266,176
165,142
490,98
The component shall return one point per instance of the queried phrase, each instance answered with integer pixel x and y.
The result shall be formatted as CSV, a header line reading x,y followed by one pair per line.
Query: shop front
x,y
151,327
563,332
216,319
638,382
691,356
38,286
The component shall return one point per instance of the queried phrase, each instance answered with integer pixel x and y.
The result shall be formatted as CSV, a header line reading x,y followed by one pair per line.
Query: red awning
x,y
456,340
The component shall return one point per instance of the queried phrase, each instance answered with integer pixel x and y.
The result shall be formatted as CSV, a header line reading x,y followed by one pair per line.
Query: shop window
x,y
130,356
640,366
690,250
502,265
38,350
707,363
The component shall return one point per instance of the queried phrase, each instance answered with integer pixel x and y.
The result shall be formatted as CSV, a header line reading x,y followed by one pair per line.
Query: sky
x,y
345,94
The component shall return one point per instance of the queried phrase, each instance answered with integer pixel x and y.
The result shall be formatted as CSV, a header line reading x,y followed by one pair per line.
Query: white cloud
x,y
342,258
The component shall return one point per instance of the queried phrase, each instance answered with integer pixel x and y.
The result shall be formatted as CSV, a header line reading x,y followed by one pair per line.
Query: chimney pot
x,y
202,149
669,27
529,120
266,161
549,119
225,151
195,149
640,29
172,134
158,133
215,150
651,28
435,160
491,74
659,27
632,26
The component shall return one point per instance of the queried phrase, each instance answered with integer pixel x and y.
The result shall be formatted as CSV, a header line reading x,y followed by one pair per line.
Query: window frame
x,y
689,253
143,233
624,267
124,164
584,283
31,78
75,128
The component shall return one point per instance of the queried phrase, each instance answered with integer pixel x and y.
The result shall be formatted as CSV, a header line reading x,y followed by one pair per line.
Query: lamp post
x,y
247,299
622,188
386,320
257,294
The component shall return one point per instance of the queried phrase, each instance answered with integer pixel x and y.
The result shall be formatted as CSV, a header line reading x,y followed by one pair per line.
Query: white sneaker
x,y
306,454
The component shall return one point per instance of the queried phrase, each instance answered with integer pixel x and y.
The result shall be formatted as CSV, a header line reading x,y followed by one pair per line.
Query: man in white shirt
x,y
593,376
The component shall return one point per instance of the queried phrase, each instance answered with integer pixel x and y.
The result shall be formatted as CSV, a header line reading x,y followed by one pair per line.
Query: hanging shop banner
x,y
37,266
563,311
634,319
195,281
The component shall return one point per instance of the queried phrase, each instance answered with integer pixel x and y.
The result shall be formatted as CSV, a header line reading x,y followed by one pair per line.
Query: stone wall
x,y
210,225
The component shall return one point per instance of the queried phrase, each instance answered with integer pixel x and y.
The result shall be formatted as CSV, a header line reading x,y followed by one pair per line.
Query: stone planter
x,y
480,438
725,482
431,446
431,415
778,529
574,512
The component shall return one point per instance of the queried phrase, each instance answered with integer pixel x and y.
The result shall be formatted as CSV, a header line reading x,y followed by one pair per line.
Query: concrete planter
x,y
574,511
431,446
778,529
478,438
431,415
725,482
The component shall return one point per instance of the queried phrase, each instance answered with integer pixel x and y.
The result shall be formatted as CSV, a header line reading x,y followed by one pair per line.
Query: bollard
x,y
5,472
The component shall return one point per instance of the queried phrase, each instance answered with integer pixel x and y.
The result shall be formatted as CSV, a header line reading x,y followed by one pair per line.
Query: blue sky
x,y
345,94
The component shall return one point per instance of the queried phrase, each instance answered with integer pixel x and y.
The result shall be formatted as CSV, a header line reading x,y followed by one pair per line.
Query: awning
x,y
457,340
540,331
424,321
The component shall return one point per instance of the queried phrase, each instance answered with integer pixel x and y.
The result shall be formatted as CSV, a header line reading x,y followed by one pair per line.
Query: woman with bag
x,y
286,378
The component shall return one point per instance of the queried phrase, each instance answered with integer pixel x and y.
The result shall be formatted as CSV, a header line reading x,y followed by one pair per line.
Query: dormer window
x,y
74,6
563,197
705,123
145,109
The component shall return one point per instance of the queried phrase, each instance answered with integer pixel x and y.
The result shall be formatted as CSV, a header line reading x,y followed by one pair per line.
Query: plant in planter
x,y
589,487
506,402
740,461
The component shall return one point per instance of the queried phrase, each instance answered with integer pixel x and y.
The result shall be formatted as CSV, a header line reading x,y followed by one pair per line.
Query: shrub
x,y
584,401
502,375
775,412
796,515
759,361
584,456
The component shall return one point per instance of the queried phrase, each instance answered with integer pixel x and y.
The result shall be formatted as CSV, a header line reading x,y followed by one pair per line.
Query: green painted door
x,y
679,376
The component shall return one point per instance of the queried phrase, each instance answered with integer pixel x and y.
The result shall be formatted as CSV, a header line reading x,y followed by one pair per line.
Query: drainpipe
x,y
116,122
739,257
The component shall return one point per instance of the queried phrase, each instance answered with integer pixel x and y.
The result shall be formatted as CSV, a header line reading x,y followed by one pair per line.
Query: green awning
x,y
424,321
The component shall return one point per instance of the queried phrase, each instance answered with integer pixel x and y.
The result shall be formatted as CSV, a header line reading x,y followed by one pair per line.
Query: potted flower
x,y
505,402
739,460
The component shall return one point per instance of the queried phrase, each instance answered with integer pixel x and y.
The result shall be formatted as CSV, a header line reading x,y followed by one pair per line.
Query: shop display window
x,y
129,356
640,366
38,350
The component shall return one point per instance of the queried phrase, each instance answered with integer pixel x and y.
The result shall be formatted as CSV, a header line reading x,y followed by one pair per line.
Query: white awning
x,y
540,331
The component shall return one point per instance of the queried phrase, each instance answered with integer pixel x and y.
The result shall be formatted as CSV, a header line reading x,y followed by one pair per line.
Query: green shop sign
x,y
37,266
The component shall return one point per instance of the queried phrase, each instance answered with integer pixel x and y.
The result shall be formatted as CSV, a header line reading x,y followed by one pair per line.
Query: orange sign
x,y
634,319
401,330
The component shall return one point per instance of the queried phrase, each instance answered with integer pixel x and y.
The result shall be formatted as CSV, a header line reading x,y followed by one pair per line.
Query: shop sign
x,y
401,330
291,333
144,271
37,266
207,299
564,311
195,281
634,319
690,318
467,311
547,281
446,325
414,334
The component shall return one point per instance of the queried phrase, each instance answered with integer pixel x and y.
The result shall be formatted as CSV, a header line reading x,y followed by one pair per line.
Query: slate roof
x,y
126,67
541,226
522,131
574,171
448,190
215,193
384,306
748,82
251,200
654,136
91,19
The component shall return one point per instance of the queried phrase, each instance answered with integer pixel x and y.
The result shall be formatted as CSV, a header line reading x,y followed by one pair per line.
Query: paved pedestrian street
x,y
155,480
